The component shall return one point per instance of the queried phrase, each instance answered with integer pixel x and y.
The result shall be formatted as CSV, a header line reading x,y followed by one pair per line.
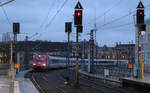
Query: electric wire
x,y
56,13
120,18
117,19
110,22
119,26
108,10
52,19
48,13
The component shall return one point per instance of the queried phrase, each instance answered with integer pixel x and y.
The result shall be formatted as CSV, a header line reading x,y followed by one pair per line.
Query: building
x,y
105,52
119,52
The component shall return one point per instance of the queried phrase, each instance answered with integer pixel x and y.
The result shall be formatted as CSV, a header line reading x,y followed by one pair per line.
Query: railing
x,y
112,72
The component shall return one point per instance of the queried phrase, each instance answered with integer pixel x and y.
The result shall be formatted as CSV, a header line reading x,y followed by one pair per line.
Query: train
x,y
51,62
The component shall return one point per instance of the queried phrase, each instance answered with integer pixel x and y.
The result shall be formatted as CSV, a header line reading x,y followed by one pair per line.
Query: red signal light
x,y
141,13
78,17
78,14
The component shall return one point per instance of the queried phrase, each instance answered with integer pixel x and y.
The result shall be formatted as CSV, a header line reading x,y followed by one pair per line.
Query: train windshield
x,y
39,58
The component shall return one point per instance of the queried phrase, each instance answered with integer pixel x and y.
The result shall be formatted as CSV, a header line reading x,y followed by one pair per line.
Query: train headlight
x,y
44,64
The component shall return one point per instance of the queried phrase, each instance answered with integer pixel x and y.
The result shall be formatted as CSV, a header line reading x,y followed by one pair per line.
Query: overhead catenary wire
x,y
120,18
108,10
119,26
115,20
56,13
52,19
119,1
48,13
110,22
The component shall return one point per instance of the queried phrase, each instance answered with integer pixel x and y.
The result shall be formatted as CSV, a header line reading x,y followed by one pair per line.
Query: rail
x,y
100,86
42,84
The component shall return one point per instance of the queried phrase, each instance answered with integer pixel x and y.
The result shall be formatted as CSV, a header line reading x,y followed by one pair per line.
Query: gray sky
x,y
36,16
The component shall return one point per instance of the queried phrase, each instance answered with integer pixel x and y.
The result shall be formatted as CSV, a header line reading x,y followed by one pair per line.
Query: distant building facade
x,y
119,52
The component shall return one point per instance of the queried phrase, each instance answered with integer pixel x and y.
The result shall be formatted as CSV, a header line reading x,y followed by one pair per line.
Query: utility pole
x,y
78,24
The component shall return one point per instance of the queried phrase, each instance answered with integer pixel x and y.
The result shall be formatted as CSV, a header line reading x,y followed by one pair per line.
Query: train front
x,y
39,62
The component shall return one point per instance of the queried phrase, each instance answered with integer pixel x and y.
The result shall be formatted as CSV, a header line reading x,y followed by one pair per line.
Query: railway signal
x,y
140,30
68,30
78,14
68,27
78,17
79,28
16,28
78,24
140,14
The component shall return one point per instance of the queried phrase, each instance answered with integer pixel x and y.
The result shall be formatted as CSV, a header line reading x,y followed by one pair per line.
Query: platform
x,y
5,84
99,76
139,84
25,85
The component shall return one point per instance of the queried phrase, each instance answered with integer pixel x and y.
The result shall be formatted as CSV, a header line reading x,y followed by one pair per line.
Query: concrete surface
x,y
4,85
145,80
26,86
16,87
98,76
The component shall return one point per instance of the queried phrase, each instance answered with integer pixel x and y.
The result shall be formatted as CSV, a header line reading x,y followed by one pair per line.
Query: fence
x,y
113,72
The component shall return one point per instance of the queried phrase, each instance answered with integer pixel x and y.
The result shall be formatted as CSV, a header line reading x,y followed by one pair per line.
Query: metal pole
x,y
11,69
26,53
68,48
15,50
77,61
15,38
84,55
139,57
68,57
92,51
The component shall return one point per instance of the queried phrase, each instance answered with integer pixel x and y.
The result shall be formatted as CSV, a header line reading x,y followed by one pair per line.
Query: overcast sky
x,y
37,16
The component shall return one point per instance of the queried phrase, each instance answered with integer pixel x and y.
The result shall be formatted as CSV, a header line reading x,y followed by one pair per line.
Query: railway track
x,y
101,87
43,85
